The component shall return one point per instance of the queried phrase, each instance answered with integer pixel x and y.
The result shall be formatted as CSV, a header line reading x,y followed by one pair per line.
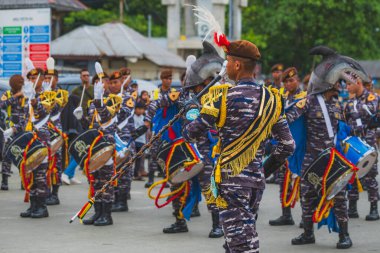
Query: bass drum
x,y
180,159
37,151
101,152
337,169
56,141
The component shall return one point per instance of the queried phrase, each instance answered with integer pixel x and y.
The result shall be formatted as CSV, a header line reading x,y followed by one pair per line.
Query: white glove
x,y
28,90
121,154
46,86
78,113
98,90
8,134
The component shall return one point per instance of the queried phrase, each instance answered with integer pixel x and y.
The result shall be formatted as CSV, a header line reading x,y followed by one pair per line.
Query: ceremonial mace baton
x,y
131,161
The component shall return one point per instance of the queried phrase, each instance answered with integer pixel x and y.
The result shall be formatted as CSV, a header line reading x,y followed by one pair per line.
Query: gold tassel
x,y
221,202
360,187
218,174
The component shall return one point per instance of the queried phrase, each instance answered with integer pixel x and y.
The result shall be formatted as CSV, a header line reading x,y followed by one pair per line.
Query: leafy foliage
x,y
285,30
135,15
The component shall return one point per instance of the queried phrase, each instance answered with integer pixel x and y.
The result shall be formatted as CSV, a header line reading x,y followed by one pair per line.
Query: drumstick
x,y
100,73
81,98
122,86
35,83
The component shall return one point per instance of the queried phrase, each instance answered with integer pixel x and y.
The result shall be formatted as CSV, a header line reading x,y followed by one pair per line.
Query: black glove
x,y
189,104
374,122
139,131
271,165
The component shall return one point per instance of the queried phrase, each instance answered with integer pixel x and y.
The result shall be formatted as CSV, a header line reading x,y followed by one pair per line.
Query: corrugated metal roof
x,y
62,5
372,68
113,40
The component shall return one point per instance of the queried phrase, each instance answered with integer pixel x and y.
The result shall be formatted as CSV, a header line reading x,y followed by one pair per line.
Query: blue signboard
x,y
12,39
39,29
12,66
12,48
39,39
12,57
9,74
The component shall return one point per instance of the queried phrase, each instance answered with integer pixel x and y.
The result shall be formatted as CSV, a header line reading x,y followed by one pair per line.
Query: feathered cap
x,y
50,70
239,48
31,70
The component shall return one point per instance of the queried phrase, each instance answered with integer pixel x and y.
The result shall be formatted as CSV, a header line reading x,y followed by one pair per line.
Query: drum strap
x,y
55,117
124,122
42,122
326,116
359,120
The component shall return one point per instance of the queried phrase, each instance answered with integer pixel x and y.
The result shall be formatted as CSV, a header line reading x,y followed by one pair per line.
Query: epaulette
x,y
216,94
301,104
130,103
300,95
174,95
371,97
134,95
156,94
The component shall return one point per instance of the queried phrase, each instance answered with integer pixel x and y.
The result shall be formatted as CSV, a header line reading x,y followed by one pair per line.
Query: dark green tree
x,y
285,30
135,15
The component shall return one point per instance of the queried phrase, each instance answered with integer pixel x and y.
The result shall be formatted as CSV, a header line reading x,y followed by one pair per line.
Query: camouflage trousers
x,y
124,182
280,181
205,180
101,176
56,176
6,167
153,165
39,187
310,198
238,220
370,181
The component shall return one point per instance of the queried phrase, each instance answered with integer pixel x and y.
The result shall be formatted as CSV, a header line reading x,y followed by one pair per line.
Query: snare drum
x,y
37,151
101,152
339,171
360,154
180,159
56,141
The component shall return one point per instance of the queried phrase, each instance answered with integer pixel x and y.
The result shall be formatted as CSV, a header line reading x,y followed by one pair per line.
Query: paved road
x,y
140,230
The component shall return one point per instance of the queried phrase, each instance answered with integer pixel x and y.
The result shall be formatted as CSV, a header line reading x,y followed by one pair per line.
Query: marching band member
x,y
293,93
238,177
156,116
322,113
104,119
359,112
124,131
61,98
13,102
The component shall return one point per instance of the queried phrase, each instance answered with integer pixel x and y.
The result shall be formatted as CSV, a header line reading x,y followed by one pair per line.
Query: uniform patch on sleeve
x,y
130,103
301,104
4,97
371,97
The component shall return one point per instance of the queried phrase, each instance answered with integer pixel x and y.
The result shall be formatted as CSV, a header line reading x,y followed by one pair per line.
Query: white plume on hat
x,y
50,62
189,61
29,65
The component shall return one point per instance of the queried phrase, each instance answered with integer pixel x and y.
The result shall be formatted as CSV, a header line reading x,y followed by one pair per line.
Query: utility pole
x,y
121,11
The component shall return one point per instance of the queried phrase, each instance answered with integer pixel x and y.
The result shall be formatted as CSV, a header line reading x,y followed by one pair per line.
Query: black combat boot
x,y
115,201
344,238
285,219
150,179
121,205
373,213
179,226
53,198
97,214
4,183
41,210
301,224
216,231
28,212
352,209
195,212
306,237
106,218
